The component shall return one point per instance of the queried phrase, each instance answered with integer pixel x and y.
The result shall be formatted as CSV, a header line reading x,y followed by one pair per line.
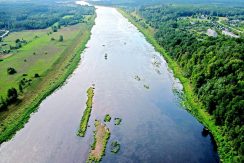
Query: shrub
x,y
11,71
20,87
54,28
17,40
12,95
36,75
61,38
3,104
107,118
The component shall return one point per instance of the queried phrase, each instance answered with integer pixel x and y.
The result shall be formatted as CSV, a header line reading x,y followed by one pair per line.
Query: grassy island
x,y
87,113
101,136
117,121
115,147
107,118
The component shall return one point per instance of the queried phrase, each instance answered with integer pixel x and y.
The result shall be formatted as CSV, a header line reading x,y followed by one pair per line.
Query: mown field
x,y
44,54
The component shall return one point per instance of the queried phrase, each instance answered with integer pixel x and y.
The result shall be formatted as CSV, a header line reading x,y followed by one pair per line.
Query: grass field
x,y
54,61
193,105
37,56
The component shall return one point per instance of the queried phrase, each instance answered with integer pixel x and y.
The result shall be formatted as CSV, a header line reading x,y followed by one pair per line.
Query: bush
x,y
61,38
54,28
20,87
17,40
11,71
107,118
3,104
36,75
12,95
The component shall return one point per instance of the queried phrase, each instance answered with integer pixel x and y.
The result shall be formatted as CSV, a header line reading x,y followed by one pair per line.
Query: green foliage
x,y
54,28
11,71
107,118
36,75
115,147
17,40
40,15
117,121
12,95
61,38
3,104
20,88
103,140
86,115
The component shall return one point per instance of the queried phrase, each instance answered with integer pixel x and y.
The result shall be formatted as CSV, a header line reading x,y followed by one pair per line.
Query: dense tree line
x,y
135,3
214,65
29,15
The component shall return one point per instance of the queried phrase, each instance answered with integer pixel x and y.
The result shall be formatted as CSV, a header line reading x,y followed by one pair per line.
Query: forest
x,y
136,3
214,65
29,15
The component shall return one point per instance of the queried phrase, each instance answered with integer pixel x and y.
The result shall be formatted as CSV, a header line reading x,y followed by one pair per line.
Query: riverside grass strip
x,y
87,113
101,137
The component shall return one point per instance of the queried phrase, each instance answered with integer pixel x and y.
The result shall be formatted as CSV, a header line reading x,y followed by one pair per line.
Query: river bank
x,y
17,115
191,102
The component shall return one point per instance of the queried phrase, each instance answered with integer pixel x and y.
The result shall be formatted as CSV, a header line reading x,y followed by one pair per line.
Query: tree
x,y
17,41
54,28
11,71
61,38
18,45
12,95
20,87
36,75
3,104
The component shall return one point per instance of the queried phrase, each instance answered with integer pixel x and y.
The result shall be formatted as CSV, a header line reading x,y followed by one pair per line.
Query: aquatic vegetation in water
x,y
117,121
146,86
115,147
87,113
137,78
158,71
101,137
107,118
156,62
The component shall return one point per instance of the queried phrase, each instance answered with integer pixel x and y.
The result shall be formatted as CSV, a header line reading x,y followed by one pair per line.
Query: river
x,y
155,127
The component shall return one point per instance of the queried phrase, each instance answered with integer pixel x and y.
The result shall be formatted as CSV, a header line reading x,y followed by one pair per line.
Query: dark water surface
x,y
154,128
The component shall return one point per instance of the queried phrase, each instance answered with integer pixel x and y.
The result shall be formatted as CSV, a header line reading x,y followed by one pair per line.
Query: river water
x,y
133,83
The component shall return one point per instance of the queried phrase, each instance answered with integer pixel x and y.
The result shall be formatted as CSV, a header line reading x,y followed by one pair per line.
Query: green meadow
x,y
44,54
